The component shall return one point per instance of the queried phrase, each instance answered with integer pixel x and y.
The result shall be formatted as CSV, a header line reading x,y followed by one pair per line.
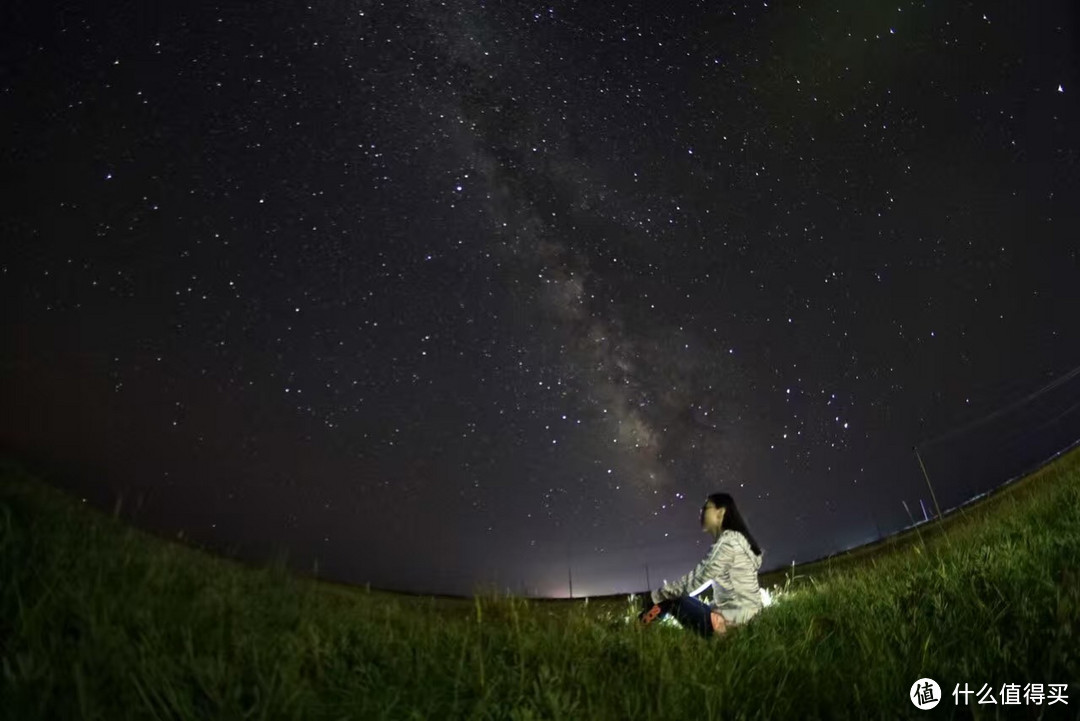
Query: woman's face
x,y
711,518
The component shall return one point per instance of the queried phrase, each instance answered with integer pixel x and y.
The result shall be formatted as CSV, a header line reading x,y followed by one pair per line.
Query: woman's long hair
x,y
732,520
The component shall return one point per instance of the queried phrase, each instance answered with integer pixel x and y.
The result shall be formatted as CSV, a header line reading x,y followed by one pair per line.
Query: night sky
x,y
439,295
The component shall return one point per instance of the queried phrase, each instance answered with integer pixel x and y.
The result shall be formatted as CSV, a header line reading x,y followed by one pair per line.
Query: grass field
x,y
101,621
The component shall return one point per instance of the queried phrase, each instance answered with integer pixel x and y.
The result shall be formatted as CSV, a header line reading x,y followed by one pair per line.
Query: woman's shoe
x,y
650,615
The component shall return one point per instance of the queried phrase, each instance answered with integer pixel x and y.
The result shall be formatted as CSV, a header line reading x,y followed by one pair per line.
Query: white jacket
x,y
732,567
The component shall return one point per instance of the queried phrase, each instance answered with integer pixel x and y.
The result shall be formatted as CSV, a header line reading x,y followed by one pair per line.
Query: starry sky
x,y
437,296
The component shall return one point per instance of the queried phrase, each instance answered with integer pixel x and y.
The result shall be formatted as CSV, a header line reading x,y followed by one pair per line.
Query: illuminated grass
x,y
102,621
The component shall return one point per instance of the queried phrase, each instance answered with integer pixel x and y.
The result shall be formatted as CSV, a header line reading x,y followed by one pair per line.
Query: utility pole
x,y
569,570
927,477
908,511
648,586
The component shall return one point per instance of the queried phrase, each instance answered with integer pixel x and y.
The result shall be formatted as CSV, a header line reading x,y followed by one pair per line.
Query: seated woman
x,y
731,567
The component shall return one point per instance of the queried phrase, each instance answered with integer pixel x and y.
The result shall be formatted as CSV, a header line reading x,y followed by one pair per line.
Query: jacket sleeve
x,y
720,557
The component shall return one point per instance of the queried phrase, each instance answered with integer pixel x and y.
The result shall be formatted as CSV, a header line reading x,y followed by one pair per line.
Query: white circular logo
x,y
925,693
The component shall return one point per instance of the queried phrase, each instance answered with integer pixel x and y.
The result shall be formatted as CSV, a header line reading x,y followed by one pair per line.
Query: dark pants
x,y
691,613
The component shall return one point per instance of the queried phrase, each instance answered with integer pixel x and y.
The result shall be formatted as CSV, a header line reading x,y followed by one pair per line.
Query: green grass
x,y
101,621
